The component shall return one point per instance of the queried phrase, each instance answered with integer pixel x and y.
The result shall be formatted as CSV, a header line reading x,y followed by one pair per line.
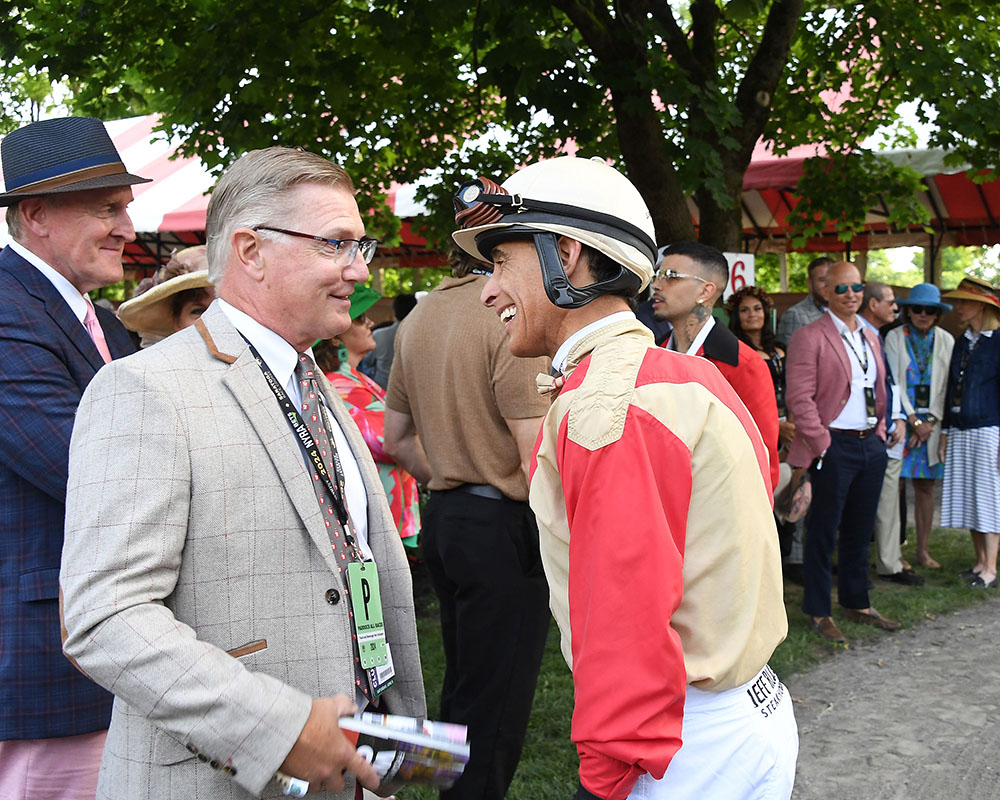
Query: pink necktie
x,y
94,329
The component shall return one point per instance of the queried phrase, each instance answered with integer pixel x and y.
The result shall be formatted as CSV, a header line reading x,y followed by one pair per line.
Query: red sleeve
x,y
627,506
752,382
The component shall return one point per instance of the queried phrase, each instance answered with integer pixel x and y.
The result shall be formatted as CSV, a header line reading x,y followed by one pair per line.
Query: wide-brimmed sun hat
x,y
977,289
54,156
152,311
924,294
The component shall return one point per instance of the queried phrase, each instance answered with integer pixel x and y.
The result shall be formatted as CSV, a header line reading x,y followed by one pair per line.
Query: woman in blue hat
x,y
919,353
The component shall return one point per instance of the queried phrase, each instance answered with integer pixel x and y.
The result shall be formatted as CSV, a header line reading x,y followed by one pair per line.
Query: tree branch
x,y
756,92
594,23
704,16
637,123
675,38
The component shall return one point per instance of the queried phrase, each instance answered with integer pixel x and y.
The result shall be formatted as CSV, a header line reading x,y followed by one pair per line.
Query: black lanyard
x,y
336,490
864,351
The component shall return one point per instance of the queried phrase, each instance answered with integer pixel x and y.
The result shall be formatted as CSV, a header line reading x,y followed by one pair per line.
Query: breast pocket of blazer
x,y
244,651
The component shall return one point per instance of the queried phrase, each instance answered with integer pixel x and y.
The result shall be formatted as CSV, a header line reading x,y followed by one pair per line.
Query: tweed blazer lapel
x,y
250,392
38,286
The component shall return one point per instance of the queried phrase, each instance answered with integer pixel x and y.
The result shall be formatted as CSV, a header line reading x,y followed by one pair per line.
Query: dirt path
x,y
913,715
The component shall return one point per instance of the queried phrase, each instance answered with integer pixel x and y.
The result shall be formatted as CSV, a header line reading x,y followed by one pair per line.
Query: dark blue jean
x,y
845,498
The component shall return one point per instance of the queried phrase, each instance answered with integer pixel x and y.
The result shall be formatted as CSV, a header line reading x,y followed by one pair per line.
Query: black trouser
x,y
845,497
482,554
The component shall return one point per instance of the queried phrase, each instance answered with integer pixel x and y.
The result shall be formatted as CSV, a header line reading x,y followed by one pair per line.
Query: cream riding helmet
x,y
583,199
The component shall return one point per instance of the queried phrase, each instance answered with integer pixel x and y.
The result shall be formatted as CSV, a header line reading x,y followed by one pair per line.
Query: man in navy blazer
x,y
66,197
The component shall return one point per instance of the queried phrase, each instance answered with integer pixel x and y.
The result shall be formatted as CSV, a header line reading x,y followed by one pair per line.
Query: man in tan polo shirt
x,y
462,416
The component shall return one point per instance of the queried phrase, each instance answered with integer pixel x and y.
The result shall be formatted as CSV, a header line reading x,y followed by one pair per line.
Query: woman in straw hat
x,y
919,354
970,443
365,399
173,299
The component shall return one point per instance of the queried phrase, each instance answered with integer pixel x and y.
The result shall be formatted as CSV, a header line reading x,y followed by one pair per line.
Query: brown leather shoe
x,y
871,617
827,628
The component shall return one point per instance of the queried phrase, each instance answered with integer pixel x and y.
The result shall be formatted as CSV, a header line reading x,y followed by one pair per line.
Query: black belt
x,y
854,434
480,490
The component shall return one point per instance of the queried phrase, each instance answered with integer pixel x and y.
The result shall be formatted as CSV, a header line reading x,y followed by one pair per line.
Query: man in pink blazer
x,y
836,392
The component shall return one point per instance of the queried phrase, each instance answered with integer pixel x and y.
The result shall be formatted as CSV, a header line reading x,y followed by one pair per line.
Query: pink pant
x,y
51,769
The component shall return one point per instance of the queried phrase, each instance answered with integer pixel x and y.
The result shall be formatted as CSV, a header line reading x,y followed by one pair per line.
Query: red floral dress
x,y
365,400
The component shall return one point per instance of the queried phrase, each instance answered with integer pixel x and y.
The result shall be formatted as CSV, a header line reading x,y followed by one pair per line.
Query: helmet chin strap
x,y
557,286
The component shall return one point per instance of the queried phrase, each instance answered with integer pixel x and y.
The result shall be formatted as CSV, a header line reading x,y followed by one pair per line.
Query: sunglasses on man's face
x,y
841,288
928,310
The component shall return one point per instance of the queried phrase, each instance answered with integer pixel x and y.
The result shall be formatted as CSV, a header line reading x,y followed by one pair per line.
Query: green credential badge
x,y
366,601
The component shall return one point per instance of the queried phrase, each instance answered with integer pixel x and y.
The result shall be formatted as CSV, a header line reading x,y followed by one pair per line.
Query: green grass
x,y
547,770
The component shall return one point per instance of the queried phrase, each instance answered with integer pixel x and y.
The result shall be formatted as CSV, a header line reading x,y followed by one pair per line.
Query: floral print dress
x,y
365,401
920,349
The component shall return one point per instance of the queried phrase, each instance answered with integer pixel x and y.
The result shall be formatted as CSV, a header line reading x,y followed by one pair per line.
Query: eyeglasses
x,y
929,310
841,288
673,275
341,255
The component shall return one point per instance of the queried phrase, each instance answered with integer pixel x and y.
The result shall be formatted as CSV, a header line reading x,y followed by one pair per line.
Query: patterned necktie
x,y
94,329
344,548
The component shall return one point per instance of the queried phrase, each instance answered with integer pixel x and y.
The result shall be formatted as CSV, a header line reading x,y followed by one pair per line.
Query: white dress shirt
x,y
74,299
854,415
281,359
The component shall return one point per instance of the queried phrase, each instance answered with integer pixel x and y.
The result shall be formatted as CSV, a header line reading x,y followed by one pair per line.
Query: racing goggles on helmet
x,y
483,202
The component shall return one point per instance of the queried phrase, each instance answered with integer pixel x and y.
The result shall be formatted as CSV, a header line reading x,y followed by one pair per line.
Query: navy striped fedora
x,y
70,154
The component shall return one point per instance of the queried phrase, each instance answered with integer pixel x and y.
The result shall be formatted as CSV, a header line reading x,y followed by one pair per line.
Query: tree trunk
x,y
721,227
648,167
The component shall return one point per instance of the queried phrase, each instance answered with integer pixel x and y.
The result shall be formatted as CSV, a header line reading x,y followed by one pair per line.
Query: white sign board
x,y
741,272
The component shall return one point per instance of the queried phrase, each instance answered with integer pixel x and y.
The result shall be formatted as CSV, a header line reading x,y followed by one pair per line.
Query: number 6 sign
x,y
741,272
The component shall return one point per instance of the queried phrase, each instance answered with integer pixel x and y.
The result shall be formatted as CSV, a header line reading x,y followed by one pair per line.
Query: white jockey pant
x,y
739,744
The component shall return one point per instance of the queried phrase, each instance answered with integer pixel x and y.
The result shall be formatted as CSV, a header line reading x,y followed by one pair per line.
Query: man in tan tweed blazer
x,y
200,579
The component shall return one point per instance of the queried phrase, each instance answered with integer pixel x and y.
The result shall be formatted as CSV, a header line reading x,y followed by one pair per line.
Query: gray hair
x,y
13,220
874,290
253,190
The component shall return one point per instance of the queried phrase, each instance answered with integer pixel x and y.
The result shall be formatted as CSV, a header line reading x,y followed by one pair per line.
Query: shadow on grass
x,y
548,767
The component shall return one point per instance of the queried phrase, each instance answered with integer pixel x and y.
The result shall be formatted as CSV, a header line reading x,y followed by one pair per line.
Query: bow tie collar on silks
x,y
311,424
550,384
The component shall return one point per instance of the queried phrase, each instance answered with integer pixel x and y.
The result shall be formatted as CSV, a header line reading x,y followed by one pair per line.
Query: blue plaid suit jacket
x,y
46,361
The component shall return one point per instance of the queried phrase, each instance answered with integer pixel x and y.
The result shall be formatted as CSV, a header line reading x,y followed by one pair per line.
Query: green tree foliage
x,y
24,95
767,271
982,262
677,96
410,281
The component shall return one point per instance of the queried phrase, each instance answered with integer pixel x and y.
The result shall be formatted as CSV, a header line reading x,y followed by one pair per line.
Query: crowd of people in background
x,y
930,416
188,525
